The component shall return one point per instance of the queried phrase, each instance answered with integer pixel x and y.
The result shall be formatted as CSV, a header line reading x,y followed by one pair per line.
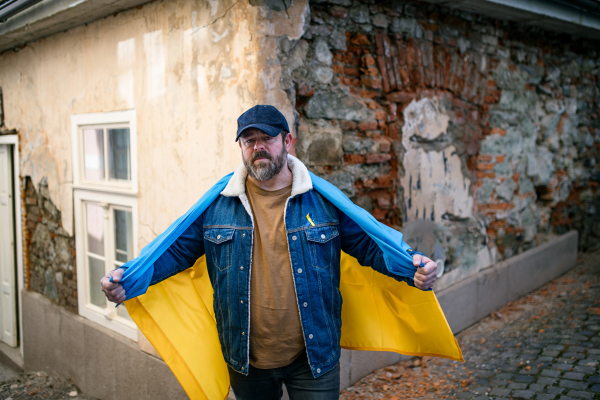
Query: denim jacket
x,y
224,234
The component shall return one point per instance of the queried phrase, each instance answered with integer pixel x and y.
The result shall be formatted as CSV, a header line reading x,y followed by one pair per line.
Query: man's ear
x,y
288,141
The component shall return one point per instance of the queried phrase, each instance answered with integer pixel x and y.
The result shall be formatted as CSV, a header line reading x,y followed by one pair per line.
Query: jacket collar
x,y
301,182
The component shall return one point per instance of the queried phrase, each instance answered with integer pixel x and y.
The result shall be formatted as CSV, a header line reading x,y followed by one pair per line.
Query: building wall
x,y
478,138
188,68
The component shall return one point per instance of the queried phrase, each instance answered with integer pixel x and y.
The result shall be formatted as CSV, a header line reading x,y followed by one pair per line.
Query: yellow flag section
x,y
382,314
378,313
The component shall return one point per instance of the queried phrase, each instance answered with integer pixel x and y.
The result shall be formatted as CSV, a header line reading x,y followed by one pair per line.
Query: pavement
x,y
545,345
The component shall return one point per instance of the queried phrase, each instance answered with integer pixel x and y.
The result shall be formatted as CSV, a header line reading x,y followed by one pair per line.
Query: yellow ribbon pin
x,y
309,220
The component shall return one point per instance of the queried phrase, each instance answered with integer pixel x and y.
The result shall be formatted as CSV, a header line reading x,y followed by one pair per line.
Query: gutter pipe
x,y
10,8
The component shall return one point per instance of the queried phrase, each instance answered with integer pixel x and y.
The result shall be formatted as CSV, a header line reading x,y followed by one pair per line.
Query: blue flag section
x,y
138,274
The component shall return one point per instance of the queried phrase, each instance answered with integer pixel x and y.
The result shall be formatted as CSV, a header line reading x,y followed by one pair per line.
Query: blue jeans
x,y
266,384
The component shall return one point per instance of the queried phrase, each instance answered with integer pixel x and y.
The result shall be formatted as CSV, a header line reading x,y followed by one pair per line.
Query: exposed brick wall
x,y
522,106
52,266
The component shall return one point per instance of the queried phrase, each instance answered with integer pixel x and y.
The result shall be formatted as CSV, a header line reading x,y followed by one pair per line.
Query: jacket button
x,y
243,333
242,368
294,237
243,235
310,336
218,236
241,268
318,370
305,304
242,301
322,236
299,270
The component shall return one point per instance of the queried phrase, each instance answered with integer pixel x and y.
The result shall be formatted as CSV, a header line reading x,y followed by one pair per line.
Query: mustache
x,y
262,154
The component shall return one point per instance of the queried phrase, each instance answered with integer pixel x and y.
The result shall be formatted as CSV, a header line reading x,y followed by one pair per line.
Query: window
x,y
105,194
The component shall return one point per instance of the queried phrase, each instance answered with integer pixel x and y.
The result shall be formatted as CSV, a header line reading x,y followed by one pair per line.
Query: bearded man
x,y
272,246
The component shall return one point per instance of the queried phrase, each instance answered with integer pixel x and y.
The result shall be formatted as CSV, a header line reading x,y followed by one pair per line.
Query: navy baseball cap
x,y
266,118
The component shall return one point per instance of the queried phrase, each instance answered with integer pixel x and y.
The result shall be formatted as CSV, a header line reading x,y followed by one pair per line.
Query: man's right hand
x,y
113,290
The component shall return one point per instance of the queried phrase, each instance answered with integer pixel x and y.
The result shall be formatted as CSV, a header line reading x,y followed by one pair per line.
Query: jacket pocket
x,y
219,246
321,245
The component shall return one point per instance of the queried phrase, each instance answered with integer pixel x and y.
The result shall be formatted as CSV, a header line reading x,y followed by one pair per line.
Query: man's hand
x,y
425,276
113,290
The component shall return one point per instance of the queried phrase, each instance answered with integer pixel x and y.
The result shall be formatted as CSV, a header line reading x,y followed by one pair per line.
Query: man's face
x,y
264,156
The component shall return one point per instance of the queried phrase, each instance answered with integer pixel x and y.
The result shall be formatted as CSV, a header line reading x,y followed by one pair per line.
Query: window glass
x,y
93,154
123,236
97,271
119,162
95,228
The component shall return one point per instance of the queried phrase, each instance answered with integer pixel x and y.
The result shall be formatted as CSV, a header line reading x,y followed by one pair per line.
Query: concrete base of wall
x,y
107,366
11,357
101,363
478,296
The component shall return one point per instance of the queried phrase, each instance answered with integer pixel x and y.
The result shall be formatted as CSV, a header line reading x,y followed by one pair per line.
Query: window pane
x,y
123,235
97,271
119,163
95,229
93,154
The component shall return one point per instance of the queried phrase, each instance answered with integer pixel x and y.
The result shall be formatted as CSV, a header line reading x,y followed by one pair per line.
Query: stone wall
x,y
477,138
52,267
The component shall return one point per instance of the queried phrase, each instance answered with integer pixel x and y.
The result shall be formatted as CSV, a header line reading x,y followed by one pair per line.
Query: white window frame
x,y
115,194
98,120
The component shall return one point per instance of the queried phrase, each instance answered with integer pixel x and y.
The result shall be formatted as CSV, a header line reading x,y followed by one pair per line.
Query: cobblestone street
x,y
543,346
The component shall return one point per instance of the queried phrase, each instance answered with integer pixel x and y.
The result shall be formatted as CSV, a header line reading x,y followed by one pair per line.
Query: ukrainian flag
x,y
379,313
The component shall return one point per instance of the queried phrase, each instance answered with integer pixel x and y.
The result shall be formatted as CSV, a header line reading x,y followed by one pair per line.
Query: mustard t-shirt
x,y
275,331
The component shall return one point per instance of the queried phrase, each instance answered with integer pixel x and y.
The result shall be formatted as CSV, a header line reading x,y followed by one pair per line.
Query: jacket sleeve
x,y
182,254
359,245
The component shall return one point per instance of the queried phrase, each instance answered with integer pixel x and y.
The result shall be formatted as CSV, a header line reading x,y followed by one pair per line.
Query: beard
x,y
263,171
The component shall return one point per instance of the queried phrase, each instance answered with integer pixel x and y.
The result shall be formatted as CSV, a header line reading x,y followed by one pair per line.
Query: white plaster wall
x,y
188,68
433,183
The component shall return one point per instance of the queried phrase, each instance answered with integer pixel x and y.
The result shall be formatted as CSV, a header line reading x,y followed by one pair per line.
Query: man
x,y
272,247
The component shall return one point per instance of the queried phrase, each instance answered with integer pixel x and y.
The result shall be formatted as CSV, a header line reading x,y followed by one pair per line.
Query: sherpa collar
x,y
301,182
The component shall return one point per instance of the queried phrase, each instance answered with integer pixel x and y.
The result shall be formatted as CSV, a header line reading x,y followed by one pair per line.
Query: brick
x,y
351,81
338,69
371,82
484,158
400,97
482,175
368,60
392,110
381,115
377,158
360,39
383,202
371,71
379,214
500,158
354,159
485,167
306,90
498,131
367,125
368,94
348,125
339,12
353,71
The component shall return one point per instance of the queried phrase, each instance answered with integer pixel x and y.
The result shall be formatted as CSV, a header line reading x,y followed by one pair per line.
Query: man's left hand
x,y
426,275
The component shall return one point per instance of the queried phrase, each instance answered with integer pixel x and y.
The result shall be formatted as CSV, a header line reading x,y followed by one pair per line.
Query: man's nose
x,y
259,145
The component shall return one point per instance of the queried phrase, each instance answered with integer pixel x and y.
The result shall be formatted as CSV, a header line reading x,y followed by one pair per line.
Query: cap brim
x,y
268,129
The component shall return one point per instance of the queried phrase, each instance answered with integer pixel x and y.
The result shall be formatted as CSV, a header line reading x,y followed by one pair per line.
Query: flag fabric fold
x,y
378,313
